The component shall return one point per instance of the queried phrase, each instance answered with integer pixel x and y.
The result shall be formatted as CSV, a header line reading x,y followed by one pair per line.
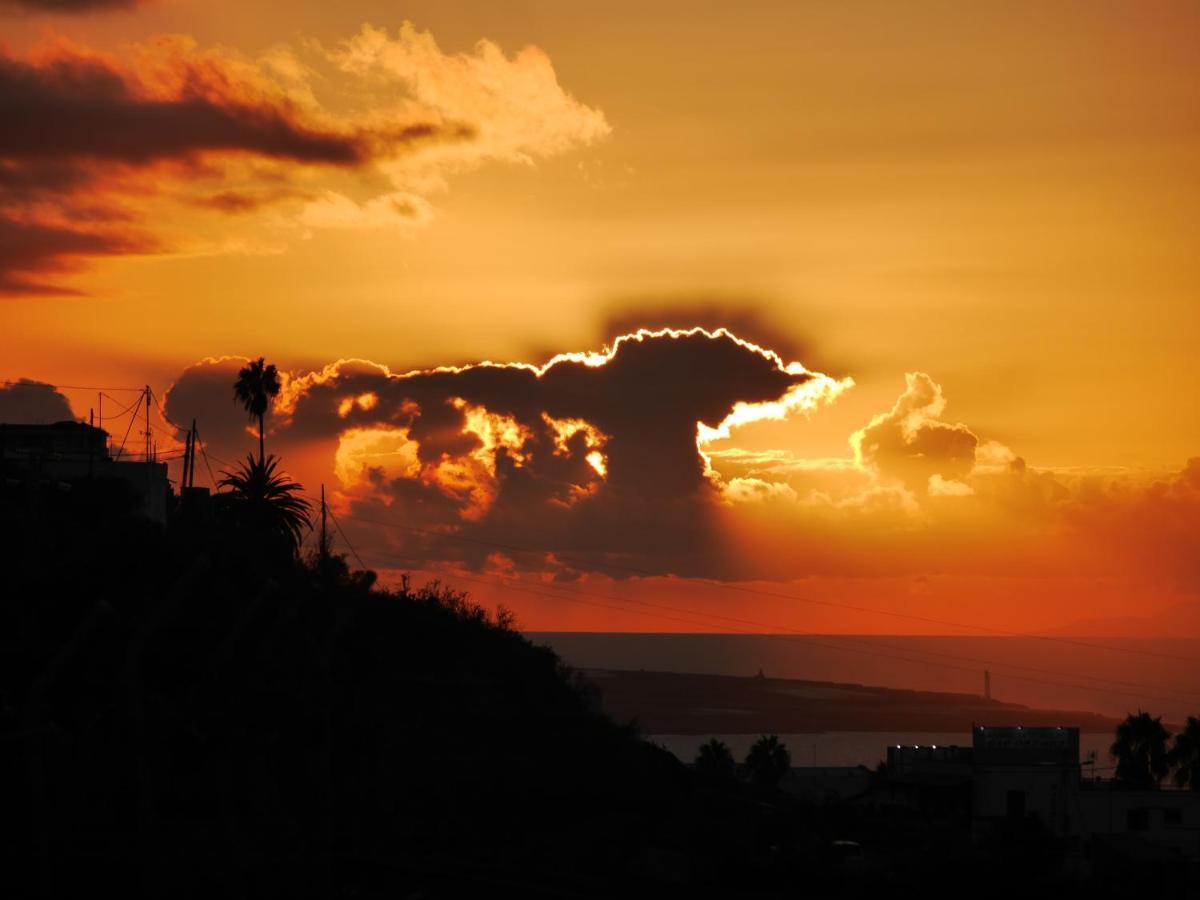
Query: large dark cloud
x,y
654,508
72,106
743,315
74,6
29,252
80,129
204,392
32,402
165,126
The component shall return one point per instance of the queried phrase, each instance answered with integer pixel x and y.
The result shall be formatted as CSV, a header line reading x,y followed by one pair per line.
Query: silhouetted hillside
x,y
180,717
188,712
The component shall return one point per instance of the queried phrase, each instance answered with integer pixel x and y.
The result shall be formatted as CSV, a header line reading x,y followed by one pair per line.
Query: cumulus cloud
x,y
93,141
606,463
32,402
520,110
590,457
911,444
204,392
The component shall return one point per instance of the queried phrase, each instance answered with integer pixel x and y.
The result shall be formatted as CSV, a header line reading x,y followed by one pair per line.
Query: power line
x,y
786,632
782,596
163,412
66,387
124,409
545,591
128,427
781,631
789,633
212,478
338,526
822,641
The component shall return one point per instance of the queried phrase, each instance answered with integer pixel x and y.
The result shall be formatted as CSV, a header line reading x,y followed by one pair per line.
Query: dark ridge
x,y
684,703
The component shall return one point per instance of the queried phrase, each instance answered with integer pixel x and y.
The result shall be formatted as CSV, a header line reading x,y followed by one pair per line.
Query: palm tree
x,y
265,503
257,383
1185,755
768,761
1141,750
714,761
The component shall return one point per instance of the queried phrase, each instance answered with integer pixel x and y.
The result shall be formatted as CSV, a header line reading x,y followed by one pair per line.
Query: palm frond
x,y
257,383
268,502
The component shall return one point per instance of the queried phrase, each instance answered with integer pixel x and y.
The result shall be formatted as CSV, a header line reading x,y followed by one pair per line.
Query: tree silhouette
x,y
714,761
1141,750
768,761
257,384
265,502
1185,755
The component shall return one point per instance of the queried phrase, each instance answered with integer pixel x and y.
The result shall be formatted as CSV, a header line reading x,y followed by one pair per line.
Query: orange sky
x,y
1001,201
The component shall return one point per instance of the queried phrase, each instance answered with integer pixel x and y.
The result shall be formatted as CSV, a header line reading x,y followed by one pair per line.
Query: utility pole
x,y
187,453
149,505
196,443
147,428
193,434
322,551
100,402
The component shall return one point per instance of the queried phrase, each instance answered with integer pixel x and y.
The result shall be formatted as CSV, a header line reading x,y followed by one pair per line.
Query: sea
x,y
862,748
1112,676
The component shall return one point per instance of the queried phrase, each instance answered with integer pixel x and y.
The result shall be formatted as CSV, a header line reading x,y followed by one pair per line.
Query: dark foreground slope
x,y
181,717
679,703
183,713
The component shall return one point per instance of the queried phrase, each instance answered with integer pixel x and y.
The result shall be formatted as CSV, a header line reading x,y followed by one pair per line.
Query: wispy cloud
x,y
110,137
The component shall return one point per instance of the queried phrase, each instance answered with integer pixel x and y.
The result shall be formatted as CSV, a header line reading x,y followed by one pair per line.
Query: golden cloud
x,y
99,149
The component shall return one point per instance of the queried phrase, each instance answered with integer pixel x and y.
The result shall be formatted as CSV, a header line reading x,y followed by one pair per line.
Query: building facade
x,y
66,451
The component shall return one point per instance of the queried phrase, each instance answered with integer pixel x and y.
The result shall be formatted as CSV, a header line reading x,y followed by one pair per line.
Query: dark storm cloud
x,y
741,315
204,392
648,397
79,127
74,6
29,252
31,402
653,507
83,107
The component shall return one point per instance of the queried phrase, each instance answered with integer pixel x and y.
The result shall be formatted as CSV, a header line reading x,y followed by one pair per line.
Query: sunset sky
x,y
953,248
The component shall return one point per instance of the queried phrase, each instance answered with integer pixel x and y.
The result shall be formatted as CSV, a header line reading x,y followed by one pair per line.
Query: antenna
x,y
323,550
149,488
193,433
147,440
187,453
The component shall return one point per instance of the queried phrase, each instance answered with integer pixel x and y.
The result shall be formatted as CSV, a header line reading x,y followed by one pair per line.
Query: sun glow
x,y
564,430
804,398
495,432
389,452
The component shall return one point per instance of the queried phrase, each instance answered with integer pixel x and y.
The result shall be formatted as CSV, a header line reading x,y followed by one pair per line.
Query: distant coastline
x,y
686,703
1105,677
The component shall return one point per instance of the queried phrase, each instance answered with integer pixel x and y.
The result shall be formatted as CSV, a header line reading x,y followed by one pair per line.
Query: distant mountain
x,y
680,703
1182,620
